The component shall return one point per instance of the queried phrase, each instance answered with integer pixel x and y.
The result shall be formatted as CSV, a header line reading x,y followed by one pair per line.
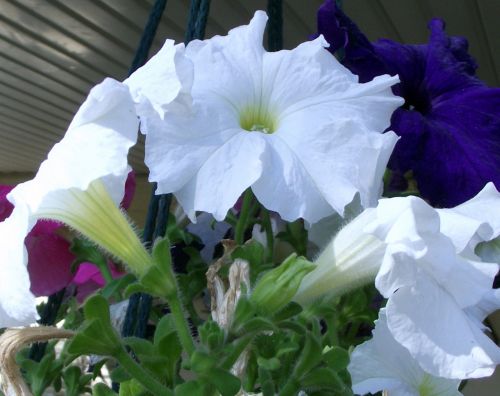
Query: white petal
x,y
478,219
164,81
223,177
286,187
94,147
17,303
177,149
383,364
438,334
342,158
322,232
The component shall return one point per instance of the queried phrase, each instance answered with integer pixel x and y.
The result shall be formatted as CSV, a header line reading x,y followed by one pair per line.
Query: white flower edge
x,y
479,218
207,159
93,150
381,363
163,83
434,293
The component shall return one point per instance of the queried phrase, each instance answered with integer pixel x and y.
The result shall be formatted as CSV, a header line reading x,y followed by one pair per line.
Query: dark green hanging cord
x,y
139,307
197,20
48,317
201,20
275,25
130,325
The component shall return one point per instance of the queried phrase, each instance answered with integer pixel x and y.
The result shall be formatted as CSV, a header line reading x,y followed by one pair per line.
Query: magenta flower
x,y
88,279
449,124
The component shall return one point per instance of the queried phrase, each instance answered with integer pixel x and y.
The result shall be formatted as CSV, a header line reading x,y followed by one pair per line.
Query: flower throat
x,y
255,119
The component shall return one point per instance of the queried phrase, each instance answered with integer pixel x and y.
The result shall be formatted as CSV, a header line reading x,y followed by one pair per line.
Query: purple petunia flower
x,y
450,122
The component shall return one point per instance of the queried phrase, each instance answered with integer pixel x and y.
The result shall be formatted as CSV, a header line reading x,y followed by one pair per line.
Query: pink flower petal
x,y
49,262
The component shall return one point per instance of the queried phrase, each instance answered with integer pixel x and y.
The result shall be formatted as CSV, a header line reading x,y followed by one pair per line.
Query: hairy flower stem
x,y
141,375
181,324
266,223
239,233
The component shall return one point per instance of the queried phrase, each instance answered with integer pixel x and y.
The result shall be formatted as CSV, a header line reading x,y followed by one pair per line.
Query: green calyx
x,y
278,286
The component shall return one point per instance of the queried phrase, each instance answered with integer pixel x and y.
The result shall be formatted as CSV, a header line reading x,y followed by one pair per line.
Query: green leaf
x,y
254,253
226,383
337,358
256,325
119,374
322,378
269,364
140,346
75,382
191,388
164,328
288,311
310,355
100,389
96,335
132,388
116,285
202,362
244,311
266,382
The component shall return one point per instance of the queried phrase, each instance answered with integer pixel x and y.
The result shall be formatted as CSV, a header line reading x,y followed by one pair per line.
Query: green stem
x,y
241,226
106,273
266,223
181,324
141,375
291,388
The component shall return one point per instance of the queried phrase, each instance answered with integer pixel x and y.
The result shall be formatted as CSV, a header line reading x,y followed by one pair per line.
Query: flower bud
x,y
351,260
278,286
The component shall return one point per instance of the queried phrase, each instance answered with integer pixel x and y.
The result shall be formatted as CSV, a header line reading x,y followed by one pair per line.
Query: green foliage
x,y
97,335
76,383
254,253
40,375
159,279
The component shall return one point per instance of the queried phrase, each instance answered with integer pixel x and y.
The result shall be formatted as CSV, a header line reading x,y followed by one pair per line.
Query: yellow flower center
x,y
257,119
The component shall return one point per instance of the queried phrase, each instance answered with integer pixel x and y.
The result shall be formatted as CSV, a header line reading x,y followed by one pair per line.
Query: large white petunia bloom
x,y
81,183
295,126
438,296
383,364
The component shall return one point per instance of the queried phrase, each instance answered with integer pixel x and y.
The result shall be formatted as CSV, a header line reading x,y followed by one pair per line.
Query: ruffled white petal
x,y
229,171
94,147
383,364
85,171
427,321
17,303
479,220
164,82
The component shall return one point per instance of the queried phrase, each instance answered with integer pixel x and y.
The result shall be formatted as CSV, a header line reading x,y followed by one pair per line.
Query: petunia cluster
x,y
236,132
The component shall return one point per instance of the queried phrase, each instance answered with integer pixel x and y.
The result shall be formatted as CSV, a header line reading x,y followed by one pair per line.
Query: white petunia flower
x,y
81,184
295,126
437,297
480,225
383,364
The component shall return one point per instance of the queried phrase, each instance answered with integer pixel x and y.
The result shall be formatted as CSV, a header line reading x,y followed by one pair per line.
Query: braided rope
x,y
275,25
136,319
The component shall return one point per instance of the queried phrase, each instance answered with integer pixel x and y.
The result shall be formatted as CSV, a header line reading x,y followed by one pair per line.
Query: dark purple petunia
x,y
450,122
